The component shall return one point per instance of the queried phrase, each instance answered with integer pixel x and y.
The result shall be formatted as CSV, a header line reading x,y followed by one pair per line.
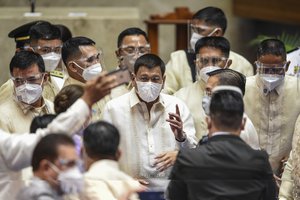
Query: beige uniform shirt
x,y
287,184
273,115
105,181
179,75
7,89
16,117
192,95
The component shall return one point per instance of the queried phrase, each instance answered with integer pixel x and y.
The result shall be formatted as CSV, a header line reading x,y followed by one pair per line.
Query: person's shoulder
x,y
178,53
251,80
184,92
119,101
234,55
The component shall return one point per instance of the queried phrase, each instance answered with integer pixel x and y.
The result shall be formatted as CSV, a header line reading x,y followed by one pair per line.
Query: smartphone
x,y
151,195
123,76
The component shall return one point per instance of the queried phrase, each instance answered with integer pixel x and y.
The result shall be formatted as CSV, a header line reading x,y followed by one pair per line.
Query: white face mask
x,y
51,61
70,180
203,73
271,81
195,37
28,93
91,71
148,91
206,103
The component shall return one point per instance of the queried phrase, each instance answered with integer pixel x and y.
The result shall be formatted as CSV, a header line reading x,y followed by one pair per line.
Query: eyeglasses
x,y
69,163
263,68
205,61
92,59
31,79
132,50
44,49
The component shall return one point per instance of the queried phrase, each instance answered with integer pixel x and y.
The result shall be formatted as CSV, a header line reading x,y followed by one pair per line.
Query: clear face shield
x,y
271,75
196,31
207,64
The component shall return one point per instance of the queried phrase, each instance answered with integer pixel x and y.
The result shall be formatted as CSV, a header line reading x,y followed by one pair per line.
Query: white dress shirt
x,y
16,149
145,136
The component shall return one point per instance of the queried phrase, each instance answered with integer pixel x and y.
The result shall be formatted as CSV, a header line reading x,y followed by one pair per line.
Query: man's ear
x,y
287,65
218,32
229,62
118,154
164,80
208,122
243,123
118,55
133,79
46,77
72,67
44,165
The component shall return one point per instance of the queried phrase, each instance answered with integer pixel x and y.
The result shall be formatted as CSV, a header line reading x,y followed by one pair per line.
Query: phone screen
x,y
123,76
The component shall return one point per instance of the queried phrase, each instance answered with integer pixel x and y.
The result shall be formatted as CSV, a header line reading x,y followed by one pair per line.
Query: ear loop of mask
x,y
79,67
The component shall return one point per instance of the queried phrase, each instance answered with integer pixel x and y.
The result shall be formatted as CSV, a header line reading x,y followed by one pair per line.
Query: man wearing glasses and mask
x,y
83,62
28,75
180,70
272,102
212,54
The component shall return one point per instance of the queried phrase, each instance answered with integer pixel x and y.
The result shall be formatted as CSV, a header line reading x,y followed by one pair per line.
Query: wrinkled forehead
x,y
134,40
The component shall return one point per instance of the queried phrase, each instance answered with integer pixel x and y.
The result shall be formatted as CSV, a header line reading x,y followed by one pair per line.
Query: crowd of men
x,y
206,125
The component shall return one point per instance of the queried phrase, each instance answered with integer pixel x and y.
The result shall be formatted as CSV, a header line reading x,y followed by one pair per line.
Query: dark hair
x,y
65,32
230,77
25,59
101,139
44,31
212,16
129,32
47,148
41,122
71,47
66,97
226,109
273,47
214,42
150,61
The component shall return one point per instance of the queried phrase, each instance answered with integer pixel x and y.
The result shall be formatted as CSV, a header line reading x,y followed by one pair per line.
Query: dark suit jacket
x,y
224,168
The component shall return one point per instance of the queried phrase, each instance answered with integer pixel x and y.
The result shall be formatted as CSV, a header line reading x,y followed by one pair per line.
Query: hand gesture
x,y
165,160
176,125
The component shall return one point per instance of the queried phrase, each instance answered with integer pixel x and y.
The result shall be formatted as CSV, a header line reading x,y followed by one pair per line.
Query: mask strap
x,y
213,31
54,167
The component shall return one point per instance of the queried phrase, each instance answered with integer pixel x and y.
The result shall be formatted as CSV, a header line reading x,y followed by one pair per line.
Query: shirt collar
x,y
134,100
26,107
220,133
278,90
